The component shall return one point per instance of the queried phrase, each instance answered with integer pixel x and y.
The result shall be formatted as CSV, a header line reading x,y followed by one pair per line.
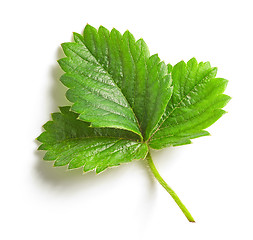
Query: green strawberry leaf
x,y
72,142
113,82
125,102
196,103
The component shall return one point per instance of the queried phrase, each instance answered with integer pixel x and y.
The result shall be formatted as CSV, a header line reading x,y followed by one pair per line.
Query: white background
x,y
213,176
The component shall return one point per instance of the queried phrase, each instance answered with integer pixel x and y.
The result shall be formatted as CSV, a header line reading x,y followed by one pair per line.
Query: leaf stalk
x,y
168,188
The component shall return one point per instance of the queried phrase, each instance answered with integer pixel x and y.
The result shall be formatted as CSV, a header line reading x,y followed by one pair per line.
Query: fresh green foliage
x,y
113,82
125,102
71,141
195,104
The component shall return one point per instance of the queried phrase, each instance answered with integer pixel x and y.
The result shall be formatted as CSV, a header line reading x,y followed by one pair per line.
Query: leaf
x,y
125,102
113,82
196,103
72,142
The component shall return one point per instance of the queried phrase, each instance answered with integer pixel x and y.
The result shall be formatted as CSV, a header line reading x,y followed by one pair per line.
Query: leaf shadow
x,y
58,90
63,180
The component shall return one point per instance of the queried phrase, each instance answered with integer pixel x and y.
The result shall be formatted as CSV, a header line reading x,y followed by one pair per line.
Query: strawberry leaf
x,y
196,103
113,82
72,142
125,102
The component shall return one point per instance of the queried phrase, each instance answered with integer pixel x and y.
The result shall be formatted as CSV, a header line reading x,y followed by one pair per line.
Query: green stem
x,y
168,189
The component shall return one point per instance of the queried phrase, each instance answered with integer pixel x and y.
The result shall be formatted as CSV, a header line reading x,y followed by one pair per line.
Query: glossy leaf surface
x,y
69,141
196,103
113,82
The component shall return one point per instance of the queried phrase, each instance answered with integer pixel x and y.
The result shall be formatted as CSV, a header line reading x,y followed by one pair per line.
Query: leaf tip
x,y
41,147
71,166
193,59
88,27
